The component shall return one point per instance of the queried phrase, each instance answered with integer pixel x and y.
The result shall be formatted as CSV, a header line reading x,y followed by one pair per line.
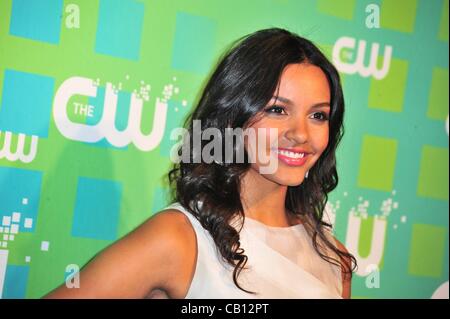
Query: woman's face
x,y
299,111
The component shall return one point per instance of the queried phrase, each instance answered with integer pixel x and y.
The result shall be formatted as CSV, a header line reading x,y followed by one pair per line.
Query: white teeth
x,y
291,154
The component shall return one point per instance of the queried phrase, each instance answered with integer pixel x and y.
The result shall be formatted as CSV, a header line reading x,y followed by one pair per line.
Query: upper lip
x,y
295,150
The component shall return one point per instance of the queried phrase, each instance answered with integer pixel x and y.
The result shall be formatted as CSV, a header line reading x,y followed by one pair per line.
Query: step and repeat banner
x,y
90,91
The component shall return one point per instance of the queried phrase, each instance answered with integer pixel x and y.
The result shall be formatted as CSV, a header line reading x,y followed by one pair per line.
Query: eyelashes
x,y
279,110
324,116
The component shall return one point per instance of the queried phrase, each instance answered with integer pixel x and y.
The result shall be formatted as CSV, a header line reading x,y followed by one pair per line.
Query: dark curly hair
x,y
239,88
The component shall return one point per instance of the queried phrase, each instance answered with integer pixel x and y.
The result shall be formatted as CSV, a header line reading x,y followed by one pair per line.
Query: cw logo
x,y
377,242
5,151
106,127
358,65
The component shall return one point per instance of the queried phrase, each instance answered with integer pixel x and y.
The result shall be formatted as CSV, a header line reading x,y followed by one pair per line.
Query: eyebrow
x,y
287,101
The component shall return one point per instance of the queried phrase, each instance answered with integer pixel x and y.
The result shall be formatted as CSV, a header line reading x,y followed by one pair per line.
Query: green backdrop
x,y
75,176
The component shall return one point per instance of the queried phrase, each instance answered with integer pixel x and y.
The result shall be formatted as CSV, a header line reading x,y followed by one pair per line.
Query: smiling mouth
x,y
290,154
291,158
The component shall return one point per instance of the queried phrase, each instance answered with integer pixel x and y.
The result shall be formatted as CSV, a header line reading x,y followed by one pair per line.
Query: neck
x,y
264,200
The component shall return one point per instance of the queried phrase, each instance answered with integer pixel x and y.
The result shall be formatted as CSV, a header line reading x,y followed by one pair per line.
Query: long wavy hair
x,y
240,87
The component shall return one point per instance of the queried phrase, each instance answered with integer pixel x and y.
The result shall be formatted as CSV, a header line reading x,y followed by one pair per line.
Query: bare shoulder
x,y
340,245
172,237
159,255
331,237
346,278
172,225
170,232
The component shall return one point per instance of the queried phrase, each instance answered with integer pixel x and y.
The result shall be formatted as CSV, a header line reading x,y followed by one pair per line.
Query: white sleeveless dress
x,y
282,263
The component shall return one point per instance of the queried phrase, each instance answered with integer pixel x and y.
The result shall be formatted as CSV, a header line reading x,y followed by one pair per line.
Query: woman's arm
x,y
158,255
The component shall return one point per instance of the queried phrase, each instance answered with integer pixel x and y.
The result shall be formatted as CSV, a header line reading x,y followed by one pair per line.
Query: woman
x,y
232,230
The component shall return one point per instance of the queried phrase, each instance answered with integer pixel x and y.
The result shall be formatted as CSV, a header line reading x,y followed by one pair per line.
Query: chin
x,y
292,182
287,180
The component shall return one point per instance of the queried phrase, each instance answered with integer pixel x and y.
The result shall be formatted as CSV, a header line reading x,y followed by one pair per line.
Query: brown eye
x,y
321,116
275,109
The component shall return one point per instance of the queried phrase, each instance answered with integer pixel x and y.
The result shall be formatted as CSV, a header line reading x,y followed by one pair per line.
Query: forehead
x,y
304,83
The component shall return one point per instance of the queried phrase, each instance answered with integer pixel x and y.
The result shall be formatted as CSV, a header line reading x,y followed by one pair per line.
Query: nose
x,y
297,131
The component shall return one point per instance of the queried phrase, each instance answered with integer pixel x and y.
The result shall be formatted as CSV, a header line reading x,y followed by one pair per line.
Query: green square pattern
x,y
426,257
377,163
343,9
399,15
438,98
388,93
433,173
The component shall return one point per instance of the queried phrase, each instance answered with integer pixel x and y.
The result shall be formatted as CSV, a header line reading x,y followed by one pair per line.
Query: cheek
x,y
264,135
320,140
264,138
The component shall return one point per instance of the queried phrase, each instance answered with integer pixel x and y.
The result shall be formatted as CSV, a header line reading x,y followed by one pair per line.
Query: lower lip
x,y
292,161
